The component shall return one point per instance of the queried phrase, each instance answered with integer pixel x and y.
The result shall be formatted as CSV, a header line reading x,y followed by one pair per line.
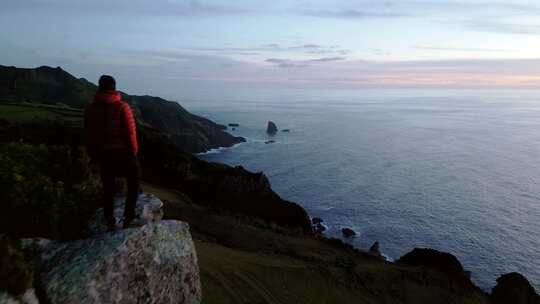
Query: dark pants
x,y
115,164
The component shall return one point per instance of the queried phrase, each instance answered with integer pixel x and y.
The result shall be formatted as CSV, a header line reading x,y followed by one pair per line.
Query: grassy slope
x,y
236,276
53,86
242,261
29,112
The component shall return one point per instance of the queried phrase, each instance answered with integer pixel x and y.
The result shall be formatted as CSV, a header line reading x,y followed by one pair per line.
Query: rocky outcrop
x,y
233,189
318,226
434,259
442,262
154,263
514,288
189,132
238,190
271,128
348,232
375,251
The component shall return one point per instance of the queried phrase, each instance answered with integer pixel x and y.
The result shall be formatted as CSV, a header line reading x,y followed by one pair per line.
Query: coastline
x,y
221,149
486,285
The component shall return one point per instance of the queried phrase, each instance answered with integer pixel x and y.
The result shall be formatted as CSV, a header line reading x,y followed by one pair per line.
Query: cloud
x,y
327,59
504,28
459,49
185,8
289,63
273,48
351,14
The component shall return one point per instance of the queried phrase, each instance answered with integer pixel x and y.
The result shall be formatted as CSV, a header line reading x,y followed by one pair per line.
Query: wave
x,y
220,149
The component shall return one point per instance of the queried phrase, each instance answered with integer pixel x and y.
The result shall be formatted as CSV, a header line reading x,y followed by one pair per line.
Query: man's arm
x,y
131,129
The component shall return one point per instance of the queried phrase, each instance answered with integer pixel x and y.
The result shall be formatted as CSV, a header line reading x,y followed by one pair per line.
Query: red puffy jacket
x,y
109,125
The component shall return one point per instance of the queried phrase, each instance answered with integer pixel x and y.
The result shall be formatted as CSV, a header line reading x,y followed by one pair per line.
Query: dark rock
x,y
316,220
234,125
286,130
319,228
374,249
271,128
269,142
220,186
348,232
514,288
442,262
431,258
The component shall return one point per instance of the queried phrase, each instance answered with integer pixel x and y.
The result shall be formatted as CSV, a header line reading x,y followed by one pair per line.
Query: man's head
x,y
107,83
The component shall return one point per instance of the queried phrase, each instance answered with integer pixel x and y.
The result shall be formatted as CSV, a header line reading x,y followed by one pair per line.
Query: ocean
x,y
453,170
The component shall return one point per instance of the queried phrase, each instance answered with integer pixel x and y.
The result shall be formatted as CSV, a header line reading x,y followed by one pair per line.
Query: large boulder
x,y
271,128
348,232
155,263
375,250
434,259
514,288
442,262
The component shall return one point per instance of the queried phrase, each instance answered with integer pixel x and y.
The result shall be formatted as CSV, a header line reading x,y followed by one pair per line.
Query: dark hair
x,y
107,83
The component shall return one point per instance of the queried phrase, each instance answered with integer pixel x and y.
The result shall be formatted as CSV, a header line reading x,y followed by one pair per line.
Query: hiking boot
x,y
111,226
127,223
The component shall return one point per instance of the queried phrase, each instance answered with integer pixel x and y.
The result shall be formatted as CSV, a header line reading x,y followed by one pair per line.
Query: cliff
x,y
211,184
54,86
153,263
243,261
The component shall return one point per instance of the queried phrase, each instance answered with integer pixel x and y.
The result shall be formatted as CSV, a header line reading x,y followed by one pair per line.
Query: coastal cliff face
x,y
46,85
216,185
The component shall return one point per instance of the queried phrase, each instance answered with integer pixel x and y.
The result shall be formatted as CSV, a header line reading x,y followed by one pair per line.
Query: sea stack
x,y
272,128
348,232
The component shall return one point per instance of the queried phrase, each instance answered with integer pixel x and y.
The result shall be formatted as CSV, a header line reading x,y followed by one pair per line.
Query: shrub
x,y
46,191
17,273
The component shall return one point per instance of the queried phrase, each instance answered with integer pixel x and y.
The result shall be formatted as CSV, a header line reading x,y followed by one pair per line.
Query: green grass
x,y
243,261
24,113
235,276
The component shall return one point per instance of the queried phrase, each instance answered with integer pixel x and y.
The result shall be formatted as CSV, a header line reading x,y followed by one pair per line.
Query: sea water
x,y
457,171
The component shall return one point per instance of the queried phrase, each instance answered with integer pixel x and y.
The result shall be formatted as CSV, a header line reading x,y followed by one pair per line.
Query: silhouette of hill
x,y
47,85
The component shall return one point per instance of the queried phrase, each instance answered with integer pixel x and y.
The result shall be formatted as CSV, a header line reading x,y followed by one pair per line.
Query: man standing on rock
x,y
111,137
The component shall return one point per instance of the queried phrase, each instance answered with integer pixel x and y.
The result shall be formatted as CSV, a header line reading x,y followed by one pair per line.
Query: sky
x,y
198,49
